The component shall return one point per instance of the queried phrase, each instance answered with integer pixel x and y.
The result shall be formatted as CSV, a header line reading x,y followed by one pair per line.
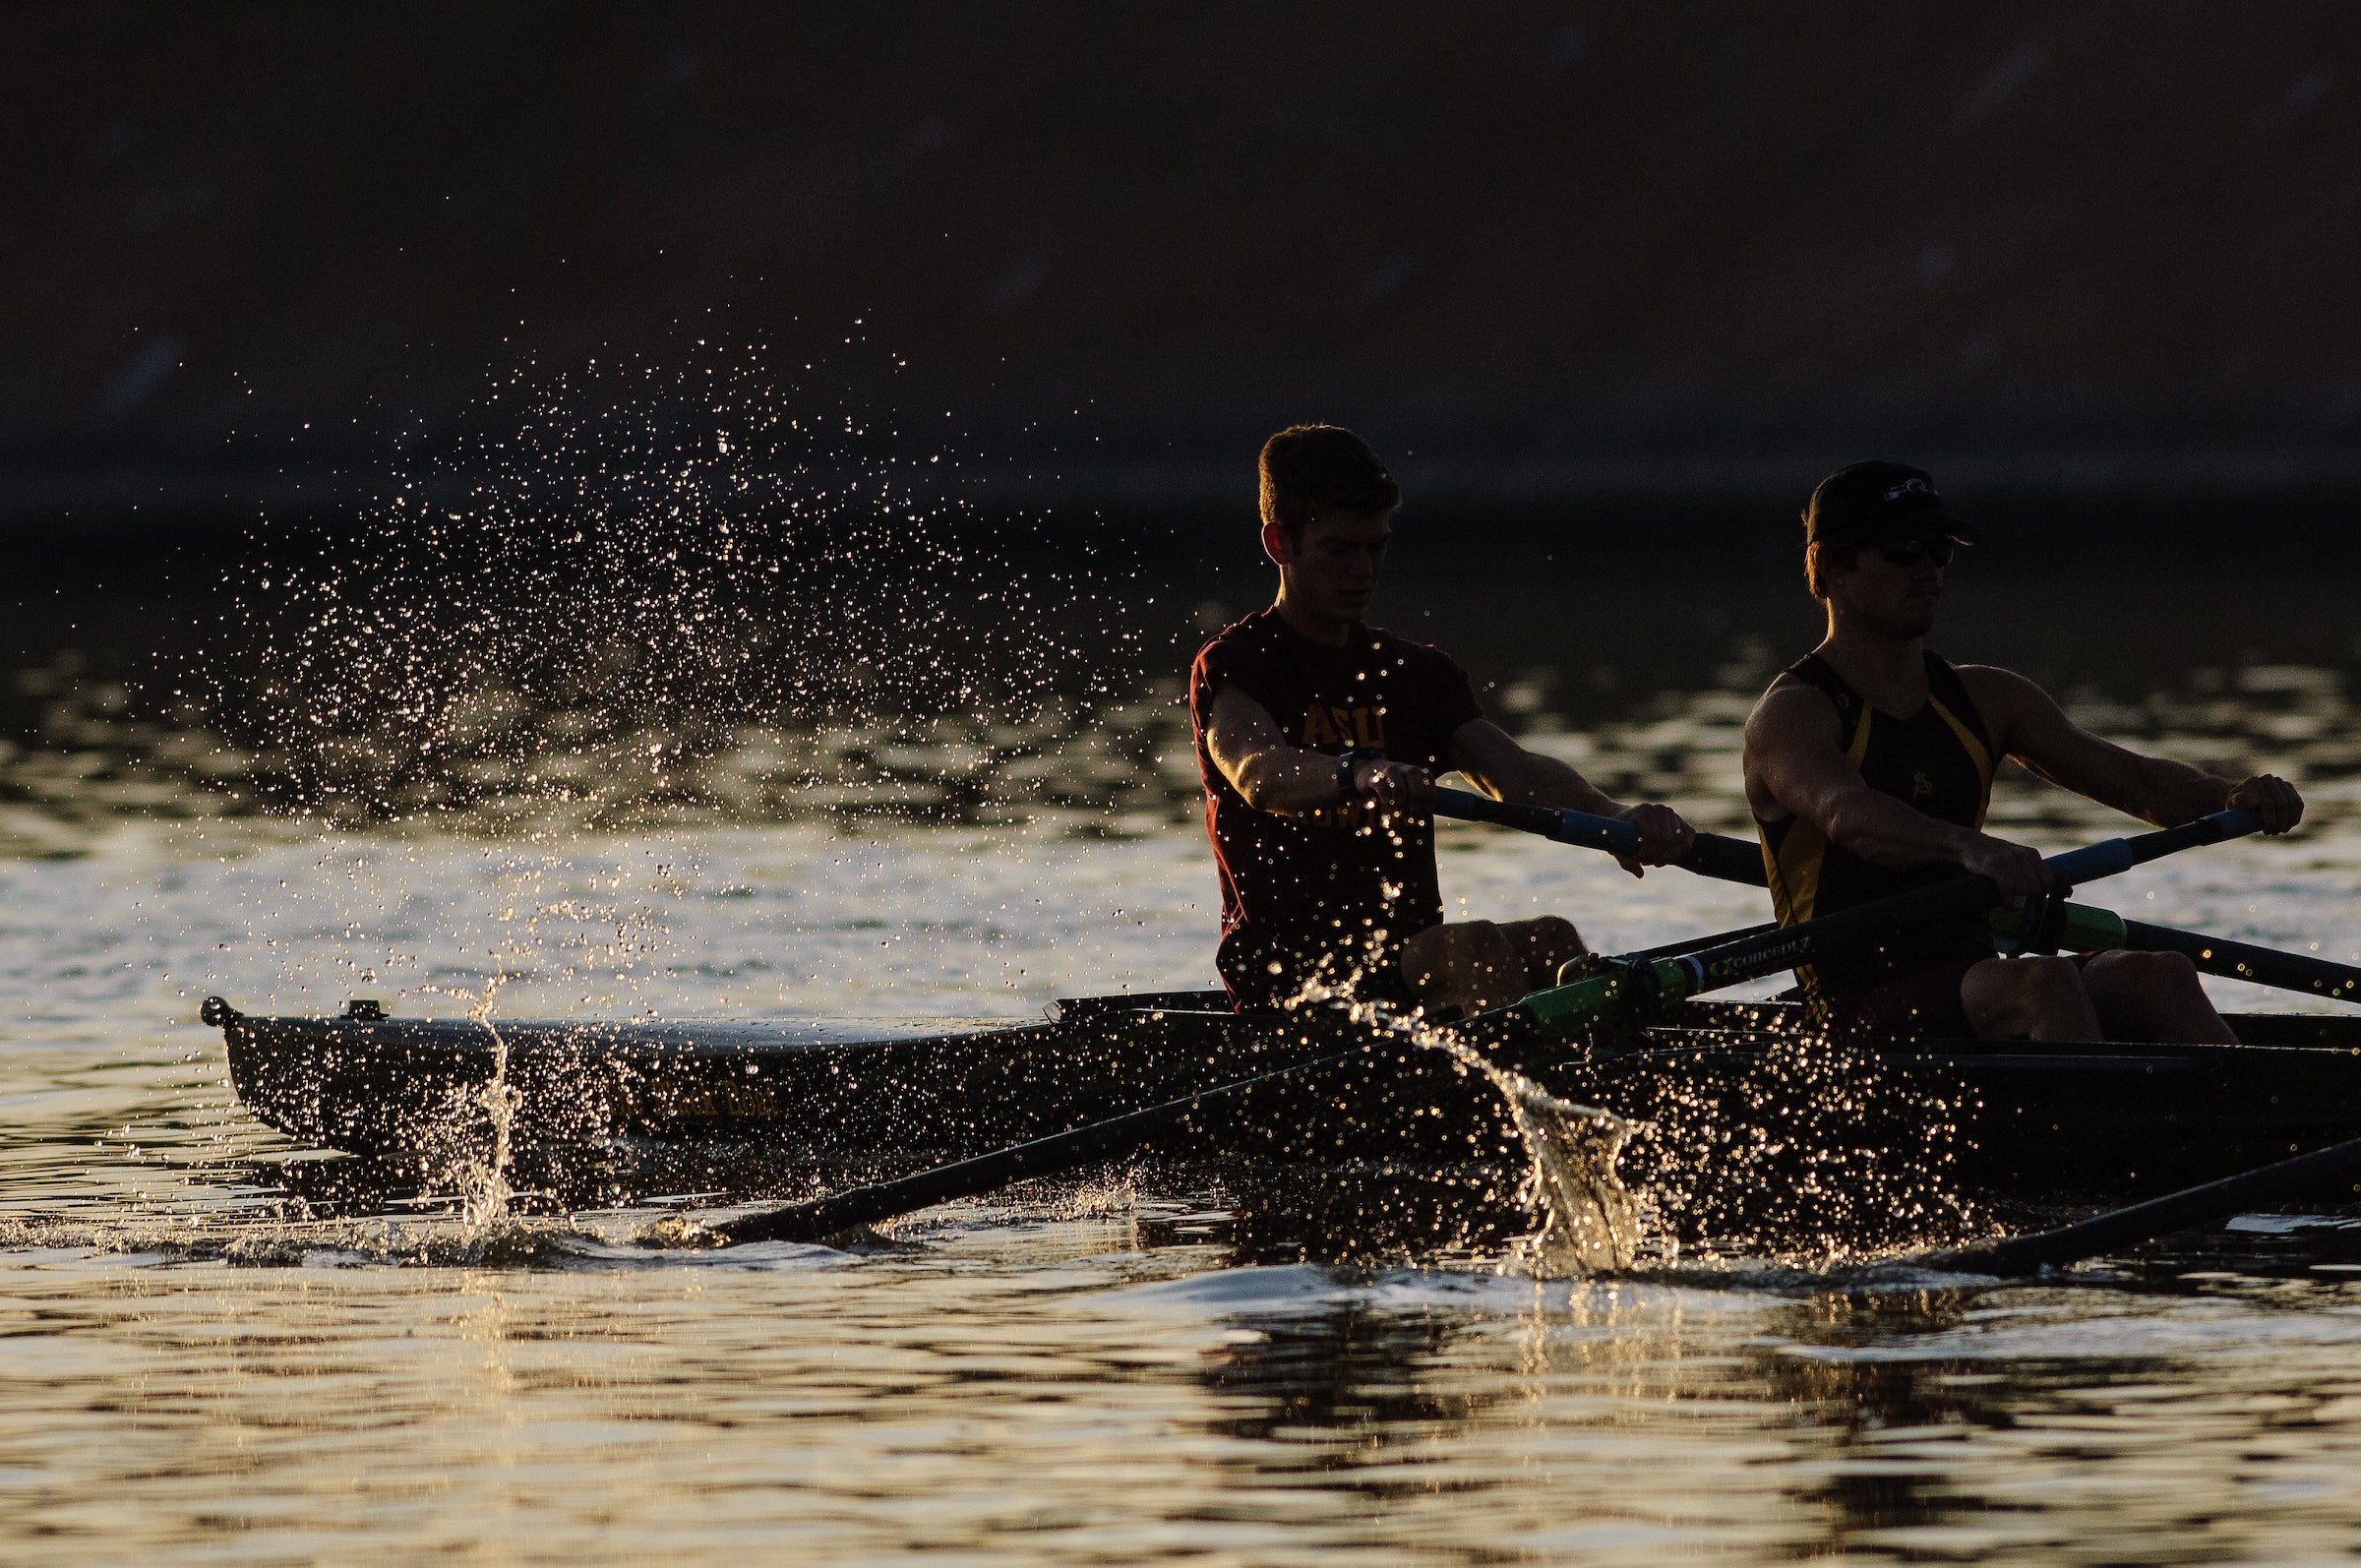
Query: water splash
x,y
489,1192
1798,1147
1589,1221
648,587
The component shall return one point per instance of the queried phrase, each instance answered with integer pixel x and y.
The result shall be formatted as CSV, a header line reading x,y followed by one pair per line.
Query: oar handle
x,y
2093,861
1561,823
1727,859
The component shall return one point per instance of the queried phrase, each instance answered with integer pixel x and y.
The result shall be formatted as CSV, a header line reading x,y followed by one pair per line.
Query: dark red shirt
x,y
1332,894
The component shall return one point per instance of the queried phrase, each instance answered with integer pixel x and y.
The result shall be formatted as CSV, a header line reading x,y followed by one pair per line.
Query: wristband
x,y
1345,762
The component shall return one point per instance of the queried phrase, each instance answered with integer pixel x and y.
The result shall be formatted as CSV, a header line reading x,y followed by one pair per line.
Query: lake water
x,y
196,1372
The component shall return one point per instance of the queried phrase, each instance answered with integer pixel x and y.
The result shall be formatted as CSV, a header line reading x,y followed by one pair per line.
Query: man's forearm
x,y
1885,832
1546,781
2175,793
1287,778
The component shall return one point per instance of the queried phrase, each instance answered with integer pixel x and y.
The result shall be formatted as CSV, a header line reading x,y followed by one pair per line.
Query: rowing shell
x,y
1710,1085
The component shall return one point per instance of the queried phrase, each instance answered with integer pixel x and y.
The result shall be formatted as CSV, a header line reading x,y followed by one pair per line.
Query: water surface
x,y
1085,1373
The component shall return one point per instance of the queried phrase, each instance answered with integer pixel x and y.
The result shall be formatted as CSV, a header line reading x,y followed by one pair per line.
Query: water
x,y
199,1371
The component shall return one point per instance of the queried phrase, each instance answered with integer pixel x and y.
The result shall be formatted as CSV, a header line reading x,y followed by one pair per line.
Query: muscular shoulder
x,y
2000,695
1789,707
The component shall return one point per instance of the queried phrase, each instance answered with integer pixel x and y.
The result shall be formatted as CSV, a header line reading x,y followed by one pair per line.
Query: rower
x,y
1869,767
1320,737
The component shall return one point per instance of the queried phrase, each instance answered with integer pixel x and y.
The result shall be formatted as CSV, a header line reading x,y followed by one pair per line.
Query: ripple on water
x,y
197,1372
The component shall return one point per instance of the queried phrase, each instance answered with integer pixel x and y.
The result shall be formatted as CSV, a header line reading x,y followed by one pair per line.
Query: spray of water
x,y
1589,1221
658,591
1791,1145
665,589
638,593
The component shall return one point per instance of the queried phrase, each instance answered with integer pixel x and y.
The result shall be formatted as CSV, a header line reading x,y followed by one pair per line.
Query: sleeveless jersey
x,y
1938,761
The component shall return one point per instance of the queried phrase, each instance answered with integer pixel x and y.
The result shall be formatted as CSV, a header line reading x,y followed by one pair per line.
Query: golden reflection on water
x,y
190,1376
1059,1394
85,756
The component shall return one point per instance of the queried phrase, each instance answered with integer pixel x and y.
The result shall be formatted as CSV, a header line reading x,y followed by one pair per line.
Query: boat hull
x,y
1716,1091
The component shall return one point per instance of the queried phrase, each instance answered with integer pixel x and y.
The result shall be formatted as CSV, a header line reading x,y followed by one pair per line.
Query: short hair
x,y
1307,467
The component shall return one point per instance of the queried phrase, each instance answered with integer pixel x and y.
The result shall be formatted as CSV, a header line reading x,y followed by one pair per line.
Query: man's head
x,y
1327,513
1877,537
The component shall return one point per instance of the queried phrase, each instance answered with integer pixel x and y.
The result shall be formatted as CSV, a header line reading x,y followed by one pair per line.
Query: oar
x,y
1627,986
1727,859
823,1217
1063,1151
2082,928
2047,926
2144,1222
1623,985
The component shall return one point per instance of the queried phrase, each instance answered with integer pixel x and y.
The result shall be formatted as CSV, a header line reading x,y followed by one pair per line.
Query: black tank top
x,y
1938,761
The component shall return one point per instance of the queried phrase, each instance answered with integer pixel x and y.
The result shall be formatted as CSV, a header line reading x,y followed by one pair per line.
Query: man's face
x,y
1895,598
1331,567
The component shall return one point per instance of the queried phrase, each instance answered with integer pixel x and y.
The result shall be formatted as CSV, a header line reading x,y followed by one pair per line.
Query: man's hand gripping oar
x,y
1626,987
1727,859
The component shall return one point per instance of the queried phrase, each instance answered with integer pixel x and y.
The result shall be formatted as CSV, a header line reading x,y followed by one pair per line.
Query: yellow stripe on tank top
x,y
1976,754
1795,870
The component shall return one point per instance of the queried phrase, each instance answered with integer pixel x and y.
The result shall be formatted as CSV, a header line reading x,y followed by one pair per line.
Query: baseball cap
x,y
1880,502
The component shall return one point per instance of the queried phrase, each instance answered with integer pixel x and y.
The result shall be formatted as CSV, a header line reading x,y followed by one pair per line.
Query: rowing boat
x,y
1709,1085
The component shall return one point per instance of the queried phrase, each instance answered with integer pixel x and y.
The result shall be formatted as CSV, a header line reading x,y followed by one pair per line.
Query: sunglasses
x,y
1939,551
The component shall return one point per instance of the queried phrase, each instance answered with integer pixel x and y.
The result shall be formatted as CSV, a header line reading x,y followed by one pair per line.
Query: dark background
x,y
1605,261
366,371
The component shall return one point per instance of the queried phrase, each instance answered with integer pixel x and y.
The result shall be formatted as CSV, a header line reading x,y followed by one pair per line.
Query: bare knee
x,y
2050,986
1554,931
1549,941
2154,996
2130,973
1425,952
2029,998
1470,965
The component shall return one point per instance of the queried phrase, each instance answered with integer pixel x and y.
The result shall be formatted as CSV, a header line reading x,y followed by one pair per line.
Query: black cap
x,y
1880,502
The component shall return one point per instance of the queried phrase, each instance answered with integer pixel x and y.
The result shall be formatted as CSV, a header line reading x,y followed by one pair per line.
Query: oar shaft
x,y
2085,929
1566,1009
1729,860
1061,1151
2265,966
1742,960
2175,1211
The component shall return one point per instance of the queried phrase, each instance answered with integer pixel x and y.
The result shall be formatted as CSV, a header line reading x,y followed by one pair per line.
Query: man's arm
x,y
1793,757
1253,754
2028,725
1497,765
